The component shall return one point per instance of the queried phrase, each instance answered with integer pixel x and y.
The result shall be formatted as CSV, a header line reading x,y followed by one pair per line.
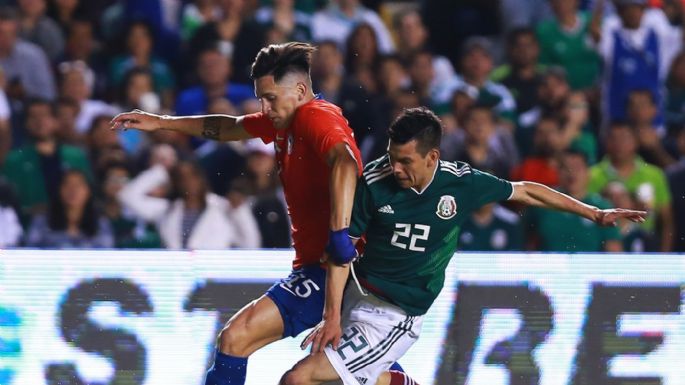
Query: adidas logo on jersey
x,y
386,210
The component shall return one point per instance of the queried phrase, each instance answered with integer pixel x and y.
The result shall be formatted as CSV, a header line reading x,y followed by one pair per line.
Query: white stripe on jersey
x,y
453,169
370,174
378,177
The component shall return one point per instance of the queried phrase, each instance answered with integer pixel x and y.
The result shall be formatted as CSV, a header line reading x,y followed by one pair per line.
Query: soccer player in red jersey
x,y
318,163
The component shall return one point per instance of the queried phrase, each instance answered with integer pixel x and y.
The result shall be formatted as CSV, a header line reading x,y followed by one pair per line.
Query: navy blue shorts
x,y
300,299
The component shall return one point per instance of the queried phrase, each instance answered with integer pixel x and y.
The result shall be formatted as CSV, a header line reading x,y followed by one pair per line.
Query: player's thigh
x,y
257,324
313,369
375,335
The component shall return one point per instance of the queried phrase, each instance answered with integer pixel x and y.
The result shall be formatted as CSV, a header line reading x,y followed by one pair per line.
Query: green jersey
x,y
411,235
570,49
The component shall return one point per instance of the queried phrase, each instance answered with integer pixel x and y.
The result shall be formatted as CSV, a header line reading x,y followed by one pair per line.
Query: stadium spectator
x,y
139,43
476,66
66,111
578,133
77,81
222,162
293,24
676,179
81,44
104,145
328,70
645,181
392,81
522,73
197,13
336,21
183,218
412,37
64,12
635,238
564,232
236,35
36,169
26,67
421,74
129,231
492,228
137,92
553,94
358,95
637,45
39,29
214,71
563,42
542,165
675,95
361,55
72,220
267,198
486,145
640,114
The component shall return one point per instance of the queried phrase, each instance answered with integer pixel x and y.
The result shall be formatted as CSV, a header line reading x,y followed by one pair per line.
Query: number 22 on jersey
x,y
412,233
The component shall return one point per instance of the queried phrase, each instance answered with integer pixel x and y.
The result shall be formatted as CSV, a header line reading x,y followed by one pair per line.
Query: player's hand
x,y
140,120
610,216
327,332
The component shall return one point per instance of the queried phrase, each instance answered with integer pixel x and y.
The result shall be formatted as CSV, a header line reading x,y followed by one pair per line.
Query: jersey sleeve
x,y
323,131
362,209
259,126
488,188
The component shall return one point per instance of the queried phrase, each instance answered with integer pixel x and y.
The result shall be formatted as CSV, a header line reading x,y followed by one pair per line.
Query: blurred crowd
x,y
584,96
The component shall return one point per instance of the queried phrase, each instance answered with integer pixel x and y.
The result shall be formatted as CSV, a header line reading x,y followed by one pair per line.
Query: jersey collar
x,y
435,170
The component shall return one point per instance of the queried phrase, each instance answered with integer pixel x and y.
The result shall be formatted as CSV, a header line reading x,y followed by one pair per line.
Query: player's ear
x,y
433,156
301,90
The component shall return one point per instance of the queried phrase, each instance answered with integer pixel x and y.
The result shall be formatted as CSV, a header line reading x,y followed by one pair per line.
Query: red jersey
x,y
304,172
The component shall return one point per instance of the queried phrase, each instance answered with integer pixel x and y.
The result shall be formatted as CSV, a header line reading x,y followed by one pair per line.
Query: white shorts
x,y
375,335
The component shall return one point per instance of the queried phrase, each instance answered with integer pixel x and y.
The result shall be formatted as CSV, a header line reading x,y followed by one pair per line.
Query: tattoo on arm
x,y
211,127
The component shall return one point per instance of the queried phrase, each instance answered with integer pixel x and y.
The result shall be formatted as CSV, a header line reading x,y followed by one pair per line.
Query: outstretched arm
x,y
216,127
535,194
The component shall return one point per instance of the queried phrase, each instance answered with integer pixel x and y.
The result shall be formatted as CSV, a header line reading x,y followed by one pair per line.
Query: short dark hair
x,y
281,59
516,33
37,101
480,107
576,152
419,124
642,91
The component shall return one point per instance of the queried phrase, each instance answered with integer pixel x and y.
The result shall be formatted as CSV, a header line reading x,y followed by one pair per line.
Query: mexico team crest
x,y
447,207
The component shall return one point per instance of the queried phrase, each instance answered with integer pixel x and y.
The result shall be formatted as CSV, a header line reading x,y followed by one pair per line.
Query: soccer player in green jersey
x,y
410,205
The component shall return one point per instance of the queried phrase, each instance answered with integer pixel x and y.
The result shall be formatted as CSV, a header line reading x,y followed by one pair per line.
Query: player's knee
x,y
234,339
296,376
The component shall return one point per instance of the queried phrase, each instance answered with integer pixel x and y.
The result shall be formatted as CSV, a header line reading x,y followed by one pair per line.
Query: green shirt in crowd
x,y
411,235
570,49
23,169
504,232
647,183
566,232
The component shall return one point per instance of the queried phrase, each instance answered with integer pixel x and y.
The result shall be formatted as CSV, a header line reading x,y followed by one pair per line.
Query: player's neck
x,y
426,180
